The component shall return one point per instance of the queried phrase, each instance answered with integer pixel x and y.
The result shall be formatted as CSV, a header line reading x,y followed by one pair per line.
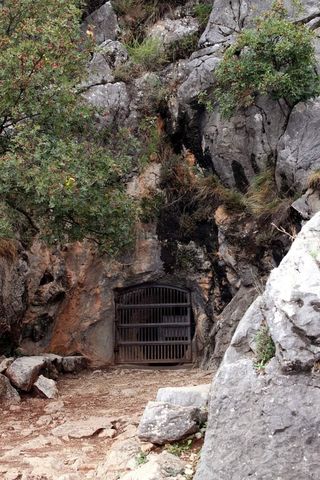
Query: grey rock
x,y
73,364
24,371
111,100
5,363
46,387
158,467
266,426
299,148
229,18
241,147
7,392
292,301
110,55
308,204
192,396
120,458
226,324
162,422
103,23
170,31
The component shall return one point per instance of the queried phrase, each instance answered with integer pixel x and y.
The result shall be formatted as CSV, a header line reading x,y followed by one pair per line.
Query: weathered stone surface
x,y
162,422
192,396
299,148
170,31
111,54
113,101
13,272
227,19
308,204
103,23
276,414
24,371
46,387
241,147
158,467
226,324
292,301
73,364
82,428
5,363
7,392
120,458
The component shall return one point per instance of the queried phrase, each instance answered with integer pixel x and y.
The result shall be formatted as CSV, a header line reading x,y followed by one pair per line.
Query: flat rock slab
x,y
46,387
7,392
24,371
163,422
193,396
82,428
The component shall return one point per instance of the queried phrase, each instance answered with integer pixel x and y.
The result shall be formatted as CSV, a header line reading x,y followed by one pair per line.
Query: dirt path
x,y
29,450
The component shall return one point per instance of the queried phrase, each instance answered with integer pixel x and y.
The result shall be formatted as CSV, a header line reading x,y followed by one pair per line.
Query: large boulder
x,y
8,394
163,422
276,413
24,371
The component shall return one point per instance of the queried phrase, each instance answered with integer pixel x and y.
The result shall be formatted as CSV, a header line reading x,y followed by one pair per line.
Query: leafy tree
x,y
276,58
57,177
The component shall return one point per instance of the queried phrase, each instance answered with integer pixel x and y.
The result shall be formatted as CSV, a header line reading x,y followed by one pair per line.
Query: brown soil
x,y
29,450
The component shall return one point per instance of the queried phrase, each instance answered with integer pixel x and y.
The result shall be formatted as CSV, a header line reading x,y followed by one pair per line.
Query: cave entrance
x,y
153,325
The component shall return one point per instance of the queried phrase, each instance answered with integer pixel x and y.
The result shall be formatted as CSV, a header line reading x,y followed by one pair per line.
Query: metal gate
x,y
153,325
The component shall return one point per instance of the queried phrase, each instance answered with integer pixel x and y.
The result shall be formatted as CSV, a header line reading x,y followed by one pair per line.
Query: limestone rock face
x,y
163,422
8,394
169,31
103,23
266,425
299,148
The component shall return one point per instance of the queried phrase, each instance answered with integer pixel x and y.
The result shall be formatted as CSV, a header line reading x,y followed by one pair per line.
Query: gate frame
x,y
189,324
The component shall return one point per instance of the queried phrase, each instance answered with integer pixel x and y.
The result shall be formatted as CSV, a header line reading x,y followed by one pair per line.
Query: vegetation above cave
x,y
59,178
276,58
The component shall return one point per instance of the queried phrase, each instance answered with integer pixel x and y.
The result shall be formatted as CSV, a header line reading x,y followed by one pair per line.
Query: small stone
x,y
46,387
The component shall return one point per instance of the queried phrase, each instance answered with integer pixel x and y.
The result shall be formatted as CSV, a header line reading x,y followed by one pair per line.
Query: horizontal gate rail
x,y
153,325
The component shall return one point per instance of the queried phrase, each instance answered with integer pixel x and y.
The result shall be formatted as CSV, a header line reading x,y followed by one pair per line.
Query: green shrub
x,y
276,58
265,347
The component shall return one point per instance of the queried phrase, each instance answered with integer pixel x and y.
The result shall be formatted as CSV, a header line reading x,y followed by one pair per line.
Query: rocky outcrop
x,y
275,412
299,148
102,23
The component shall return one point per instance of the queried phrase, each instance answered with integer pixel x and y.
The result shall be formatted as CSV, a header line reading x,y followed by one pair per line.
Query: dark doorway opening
x,y
153,325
